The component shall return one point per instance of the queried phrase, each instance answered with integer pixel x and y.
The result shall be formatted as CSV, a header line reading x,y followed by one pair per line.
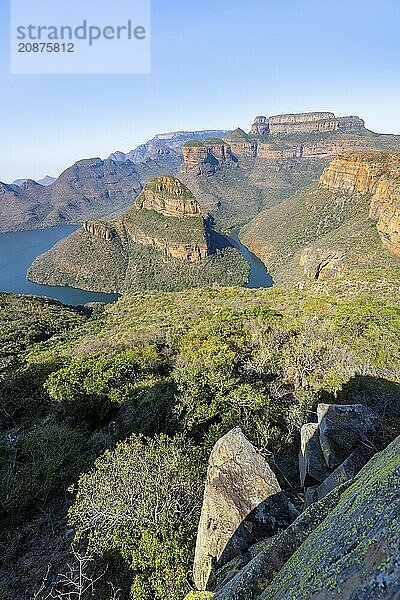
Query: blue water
x,y
258,276
17,252
19,249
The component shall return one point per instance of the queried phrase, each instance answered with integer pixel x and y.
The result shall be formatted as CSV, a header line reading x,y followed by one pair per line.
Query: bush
x,y
90,390
143,501
39,465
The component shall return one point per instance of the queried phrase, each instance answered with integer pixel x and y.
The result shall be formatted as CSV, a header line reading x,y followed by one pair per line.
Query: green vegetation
x,y
193,144
315,218
187,230
118,410
213,141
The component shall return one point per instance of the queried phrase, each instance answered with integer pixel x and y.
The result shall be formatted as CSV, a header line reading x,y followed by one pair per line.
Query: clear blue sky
x,y
215,65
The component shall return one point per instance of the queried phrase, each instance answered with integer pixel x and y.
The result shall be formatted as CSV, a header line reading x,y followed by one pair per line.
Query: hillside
x,y
162,243
125,402
346,225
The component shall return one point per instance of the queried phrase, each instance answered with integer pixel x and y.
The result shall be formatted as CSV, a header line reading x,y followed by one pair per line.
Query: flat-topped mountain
x,y
233,175
161,242
346,224
165,144
312,122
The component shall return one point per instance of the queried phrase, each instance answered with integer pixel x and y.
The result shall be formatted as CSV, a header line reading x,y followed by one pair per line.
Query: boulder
x,y
346,471
312,464
266,558
242,503
342,428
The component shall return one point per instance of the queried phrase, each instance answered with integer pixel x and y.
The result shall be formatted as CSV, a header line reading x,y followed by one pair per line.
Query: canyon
x,y
162,241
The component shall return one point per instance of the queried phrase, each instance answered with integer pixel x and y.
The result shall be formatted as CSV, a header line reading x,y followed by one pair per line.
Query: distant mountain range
x,y
48,180
234,176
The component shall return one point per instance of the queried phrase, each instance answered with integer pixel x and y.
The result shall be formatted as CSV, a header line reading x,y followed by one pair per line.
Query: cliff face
x,y
205,158
376,174
325,230
305,123
242,145
99,229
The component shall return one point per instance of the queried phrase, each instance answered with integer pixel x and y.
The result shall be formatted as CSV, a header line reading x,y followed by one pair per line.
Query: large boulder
x,y
342,428
344,547
242,503
312,465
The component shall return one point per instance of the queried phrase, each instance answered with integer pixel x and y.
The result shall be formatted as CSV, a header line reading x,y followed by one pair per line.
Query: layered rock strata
x,y
376,174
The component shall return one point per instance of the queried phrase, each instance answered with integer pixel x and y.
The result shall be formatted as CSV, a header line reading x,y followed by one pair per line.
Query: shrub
x,y
143,501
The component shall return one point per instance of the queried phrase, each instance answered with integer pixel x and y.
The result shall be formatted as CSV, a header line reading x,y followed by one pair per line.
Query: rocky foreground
x,y
254,544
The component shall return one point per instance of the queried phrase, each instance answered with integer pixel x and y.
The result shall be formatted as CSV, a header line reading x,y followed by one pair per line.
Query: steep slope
x,y
90,188
160,243
337,227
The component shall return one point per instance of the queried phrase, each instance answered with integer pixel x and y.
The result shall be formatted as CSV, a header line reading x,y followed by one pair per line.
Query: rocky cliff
x,y
377,175
168,196
205,158
160,243
336,228
306,123
345,545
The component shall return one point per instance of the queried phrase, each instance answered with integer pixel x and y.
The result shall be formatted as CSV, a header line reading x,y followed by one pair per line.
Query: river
x,y
18,250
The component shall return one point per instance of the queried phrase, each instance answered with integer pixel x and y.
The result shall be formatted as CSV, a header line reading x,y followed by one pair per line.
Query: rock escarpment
x,y
99,229
162,242
168,196
326,230
305,123
322,263
205,158
376,174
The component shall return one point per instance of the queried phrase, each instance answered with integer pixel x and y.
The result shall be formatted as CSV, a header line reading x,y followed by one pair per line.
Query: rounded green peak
x,y
213,141
167,184
237,134
193,144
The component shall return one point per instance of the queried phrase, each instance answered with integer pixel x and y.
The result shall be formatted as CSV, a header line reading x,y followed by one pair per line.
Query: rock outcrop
x,y
168,196
260,126
242,145
376,174
322,264
205,158
99,229
241,503
306,123
314,122
346,546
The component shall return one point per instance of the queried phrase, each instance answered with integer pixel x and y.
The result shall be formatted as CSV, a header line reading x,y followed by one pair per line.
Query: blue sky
x,y
214,65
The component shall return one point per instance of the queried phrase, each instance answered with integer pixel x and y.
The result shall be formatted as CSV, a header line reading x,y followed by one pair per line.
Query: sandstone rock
x,y
168,196
354,553
273,553
260,126
205,158
100,230
314,122
239,489
343,427
241,144
312,464
351,124
319,263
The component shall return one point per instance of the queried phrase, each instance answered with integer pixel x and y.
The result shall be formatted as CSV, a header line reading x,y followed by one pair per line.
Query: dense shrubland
x,y
107,419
